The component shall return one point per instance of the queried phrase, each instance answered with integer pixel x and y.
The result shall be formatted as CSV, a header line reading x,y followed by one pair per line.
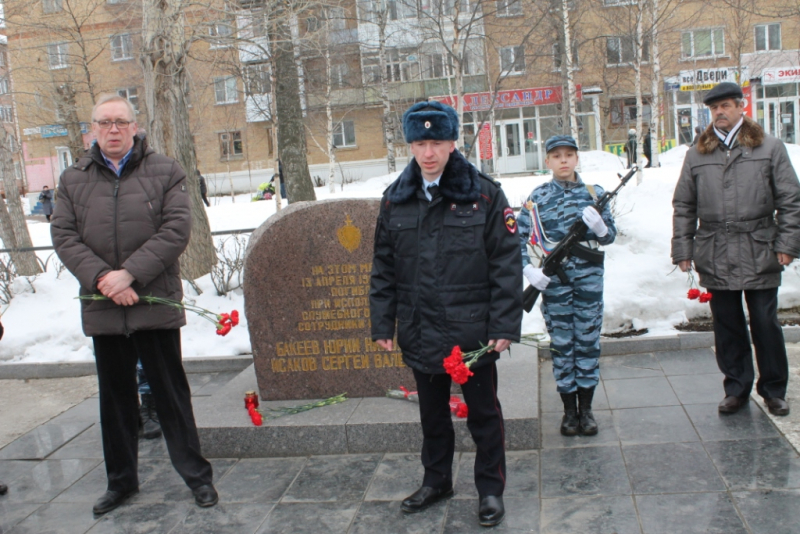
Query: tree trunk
x,y
276,162
637,68
13,228
655,104
329,121
163,60
68,110
388,119
292,148
572,95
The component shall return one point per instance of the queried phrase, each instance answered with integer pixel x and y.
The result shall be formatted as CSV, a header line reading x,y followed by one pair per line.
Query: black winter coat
x,y
448,271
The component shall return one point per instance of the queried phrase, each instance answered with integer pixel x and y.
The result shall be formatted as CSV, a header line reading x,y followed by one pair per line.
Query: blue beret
x,y
721,92
560,140
430,120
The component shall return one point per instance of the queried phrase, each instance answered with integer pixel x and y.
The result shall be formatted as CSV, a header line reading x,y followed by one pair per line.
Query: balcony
x,y
257,108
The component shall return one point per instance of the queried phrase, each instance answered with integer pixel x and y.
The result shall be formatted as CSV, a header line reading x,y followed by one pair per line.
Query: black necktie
x,y
434,191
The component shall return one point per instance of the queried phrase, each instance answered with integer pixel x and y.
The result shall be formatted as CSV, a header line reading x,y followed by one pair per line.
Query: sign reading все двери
x,y
54,130
705,79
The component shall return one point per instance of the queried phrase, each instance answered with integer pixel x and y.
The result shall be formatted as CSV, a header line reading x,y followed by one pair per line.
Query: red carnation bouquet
x,y
223,321
694,293
458,363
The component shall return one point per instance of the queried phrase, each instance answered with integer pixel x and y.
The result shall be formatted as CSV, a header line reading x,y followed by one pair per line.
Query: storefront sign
x,y
517,98
705,79
748,101
57,130
778,75
485,141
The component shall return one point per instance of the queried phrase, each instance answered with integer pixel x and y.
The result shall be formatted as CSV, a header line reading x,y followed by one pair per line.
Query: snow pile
x,y
642,290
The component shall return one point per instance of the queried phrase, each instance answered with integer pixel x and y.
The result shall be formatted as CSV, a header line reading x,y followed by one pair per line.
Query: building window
x,y
257,79
401,9
57,55
509,8
616,2
622,50
703,43
339,73
220,33
2,58
52,6
132,95
225,90
512,60
768,37
344,134
230,145
623,110
557,55
64,158
6,114
335,16
117,1
436,66
4,86
121,47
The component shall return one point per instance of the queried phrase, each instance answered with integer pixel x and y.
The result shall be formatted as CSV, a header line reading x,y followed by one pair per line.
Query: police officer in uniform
x,y
447,269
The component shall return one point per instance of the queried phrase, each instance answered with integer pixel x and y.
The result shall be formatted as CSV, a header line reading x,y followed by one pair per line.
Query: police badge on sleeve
x,y
511,221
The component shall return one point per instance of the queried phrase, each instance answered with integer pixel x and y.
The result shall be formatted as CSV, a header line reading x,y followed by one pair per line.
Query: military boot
x,y
569,423
587,422
150,427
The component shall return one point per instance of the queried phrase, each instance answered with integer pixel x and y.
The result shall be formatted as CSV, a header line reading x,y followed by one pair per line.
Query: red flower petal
x,y
234,317
705,297
462,410
693,293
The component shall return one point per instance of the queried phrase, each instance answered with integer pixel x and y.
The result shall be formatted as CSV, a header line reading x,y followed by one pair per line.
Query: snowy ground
x,y
642,289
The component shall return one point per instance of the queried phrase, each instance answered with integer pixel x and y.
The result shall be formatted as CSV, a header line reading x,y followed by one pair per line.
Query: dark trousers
x,y
734,356
160,354
205,200
485,423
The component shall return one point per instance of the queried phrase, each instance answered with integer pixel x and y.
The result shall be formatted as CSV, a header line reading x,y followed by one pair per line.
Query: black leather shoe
x,y
3,489
777,406
112,499
731,404
424,497
491,511
205,496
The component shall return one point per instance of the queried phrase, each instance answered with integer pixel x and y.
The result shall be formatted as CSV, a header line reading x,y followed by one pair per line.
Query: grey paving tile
x,y
688,362
333,478
309,518
215,383
87,411
640,393
10,470
153,448
689,513
142,518
13,513
86,490
671,468
658,424
197,381
386,517
522,515
224,518
552,438
551,400
629,366
522,475
47,479
159,482
583,471
88,444
42,440
258,480
756,463
63,518
698,389
770,512
397,476
464,473
748,423
590,515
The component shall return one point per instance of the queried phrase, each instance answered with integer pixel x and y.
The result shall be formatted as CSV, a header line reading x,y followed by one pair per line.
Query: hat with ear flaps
x,y
430,120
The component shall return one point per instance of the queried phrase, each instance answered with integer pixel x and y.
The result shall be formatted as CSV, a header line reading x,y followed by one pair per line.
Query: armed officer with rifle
x,y
566,221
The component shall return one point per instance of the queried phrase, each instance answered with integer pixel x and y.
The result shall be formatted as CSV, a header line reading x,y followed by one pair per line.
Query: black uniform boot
x,y
3,489
569,423
588,424
150,426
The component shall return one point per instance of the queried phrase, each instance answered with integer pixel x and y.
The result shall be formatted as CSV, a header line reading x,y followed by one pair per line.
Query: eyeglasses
x,y
106,124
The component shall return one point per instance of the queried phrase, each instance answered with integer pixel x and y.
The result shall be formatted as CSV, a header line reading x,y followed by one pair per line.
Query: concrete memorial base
x,y
358,425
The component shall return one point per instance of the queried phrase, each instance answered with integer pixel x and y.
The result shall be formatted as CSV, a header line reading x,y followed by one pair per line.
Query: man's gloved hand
x,y
594,221
536,277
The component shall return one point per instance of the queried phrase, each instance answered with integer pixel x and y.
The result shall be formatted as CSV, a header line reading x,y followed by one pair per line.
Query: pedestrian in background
x,y
203,188
46,198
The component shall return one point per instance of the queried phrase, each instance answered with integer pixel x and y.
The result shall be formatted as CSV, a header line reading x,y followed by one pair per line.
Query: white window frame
x,y
516,58
615,3
121,47
509,8
714,51
6,113
64,158
131,94
335,17
257,79
228,88
221,33
227,145
339,75
2,58
4,88
59,51
631,49
341,132
767,34
623,110
52,6
401,9
557,56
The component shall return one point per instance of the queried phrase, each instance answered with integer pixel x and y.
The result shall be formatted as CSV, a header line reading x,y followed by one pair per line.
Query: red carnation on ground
x,y
234,317
705,297
693,293
223,329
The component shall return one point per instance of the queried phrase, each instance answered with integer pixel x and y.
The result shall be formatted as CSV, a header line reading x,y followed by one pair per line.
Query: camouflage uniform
x,y
573,312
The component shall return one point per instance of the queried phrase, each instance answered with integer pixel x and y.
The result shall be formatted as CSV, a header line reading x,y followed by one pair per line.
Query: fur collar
x,y
460,181
751,135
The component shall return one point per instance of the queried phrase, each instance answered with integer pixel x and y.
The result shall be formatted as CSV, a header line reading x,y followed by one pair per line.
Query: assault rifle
x,y
570,245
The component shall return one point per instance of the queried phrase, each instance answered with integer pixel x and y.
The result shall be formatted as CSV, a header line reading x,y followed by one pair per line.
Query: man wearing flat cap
x,y
737,217
447,270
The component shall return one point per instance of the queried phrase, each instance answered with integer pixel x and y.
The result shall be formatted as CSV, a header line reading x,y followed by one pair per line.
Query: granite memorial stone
x,y
306,289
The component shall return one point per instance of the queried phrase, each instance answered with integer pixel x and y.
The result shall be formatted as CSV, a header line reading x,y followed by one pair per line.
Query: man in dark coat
x,y
630,147
203,188
447,269
46,198
739,184
647,149
120,225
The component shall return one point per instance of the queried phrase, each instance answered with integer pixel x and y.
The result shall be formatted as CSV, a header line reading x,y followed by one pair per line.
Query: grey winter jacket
x,y
747,202
139,221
